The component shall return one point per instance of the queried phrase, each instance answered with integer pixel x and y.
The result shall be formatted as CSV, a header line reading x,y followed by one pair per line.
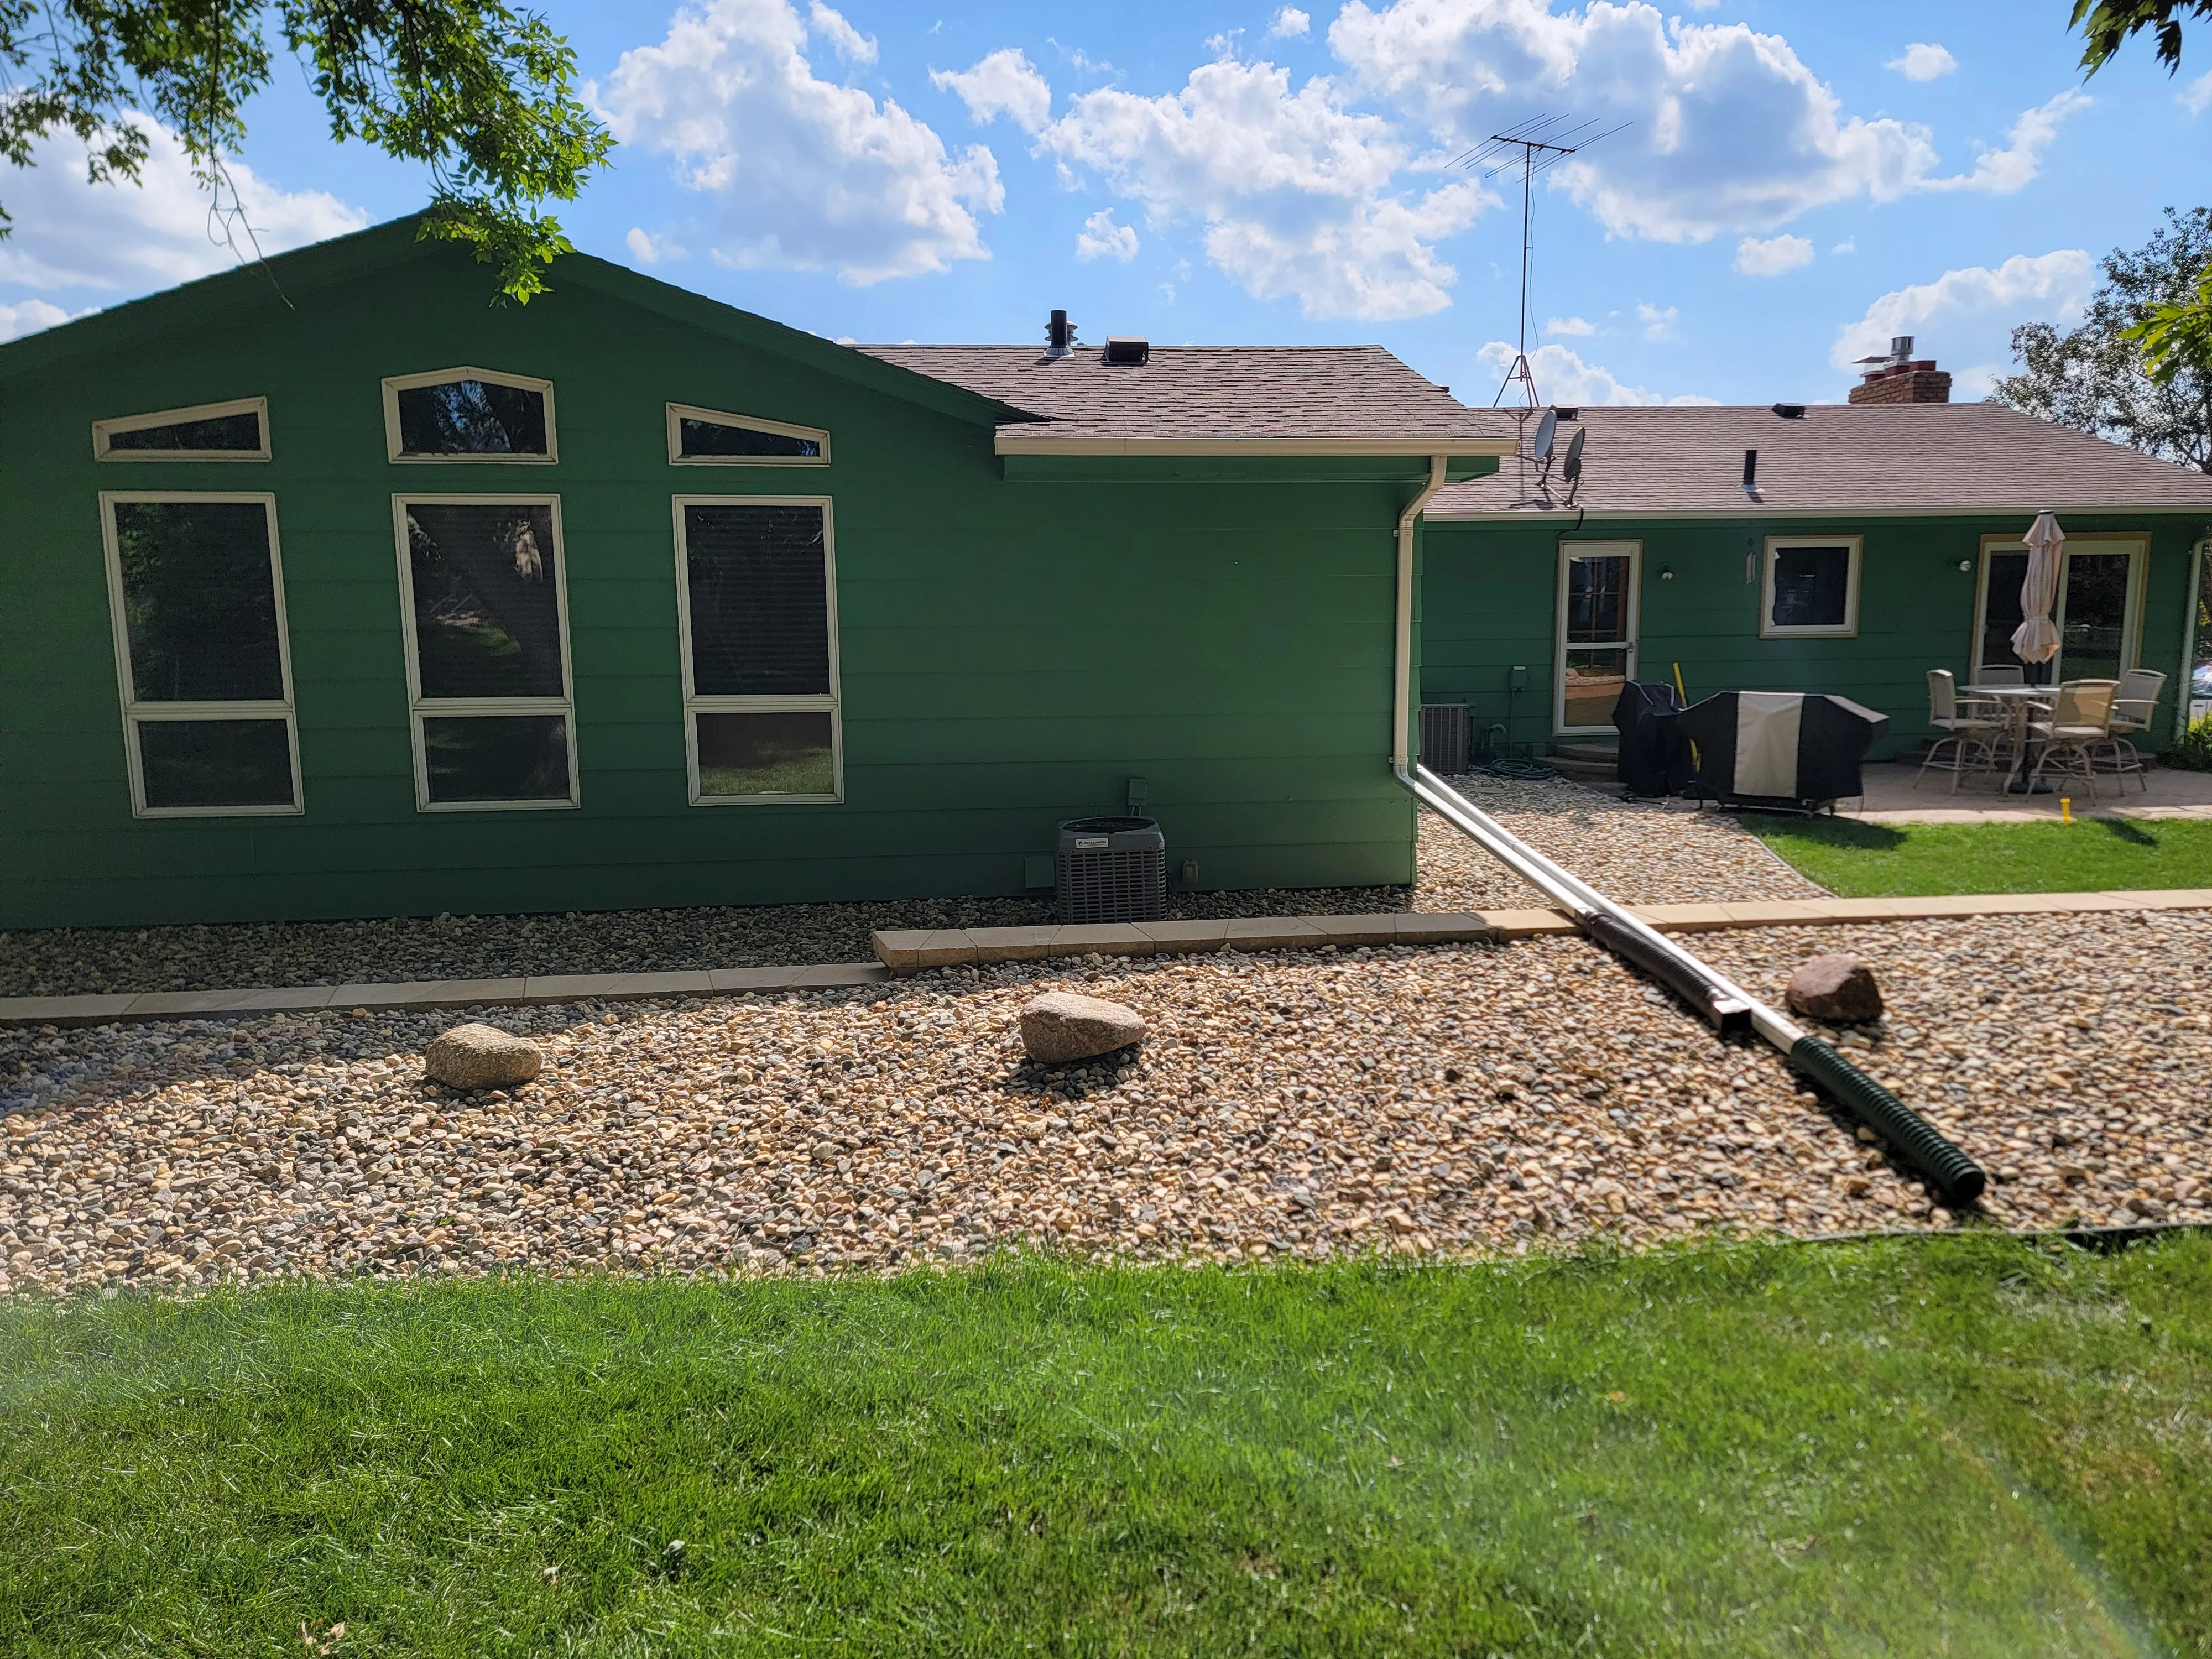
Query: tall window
x,y
1597,632
196,590
474,415
234,431
757,592
1811,587
485,605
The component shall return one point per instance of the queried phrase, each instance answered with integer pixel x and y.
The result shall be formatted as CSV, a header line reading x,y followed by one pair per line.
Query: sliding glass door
x,y
2099,599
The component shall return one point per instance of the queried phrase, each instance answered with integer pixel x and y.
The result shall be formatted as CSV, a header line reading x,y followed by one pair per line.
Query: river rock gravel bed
x,y
1449,1100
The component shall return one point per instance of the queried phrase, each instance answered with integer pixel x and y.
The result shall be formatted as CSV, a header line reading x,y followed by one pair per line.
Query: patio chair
x,y
2134,705
2001,674
2081,721
1972,727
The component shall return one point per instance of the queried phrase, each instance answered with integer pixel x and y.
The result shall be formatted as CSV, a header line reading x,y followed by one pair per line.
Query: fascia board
x,y
1023,443
1625,515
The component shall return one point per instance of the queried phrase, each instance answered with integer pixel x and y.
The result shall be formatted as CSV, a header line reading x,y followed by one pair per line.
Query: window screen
x,y
697,439
472,417
759,610
759,600
1813,586
199,601
487,600
493,715
195,583
217,434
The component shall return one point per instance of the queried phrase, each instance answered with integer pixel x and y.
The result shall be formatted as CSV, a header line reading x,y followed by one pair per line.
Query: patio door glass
x,y
2097,587
1597,631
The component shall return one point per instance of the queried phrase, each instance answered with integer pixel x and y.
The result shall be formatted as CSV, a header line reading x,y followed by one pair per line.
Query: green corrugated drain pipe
x,y
1726,1004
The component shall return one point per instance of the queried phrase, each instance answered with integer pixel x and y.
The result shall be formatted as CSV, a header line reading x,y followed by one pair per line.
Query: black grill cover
x,y
1653,758
1780,748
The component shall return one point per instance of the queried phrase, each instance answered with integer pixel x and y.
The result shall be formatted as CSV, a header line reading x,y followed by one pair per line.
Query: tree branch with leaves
x,y
481,94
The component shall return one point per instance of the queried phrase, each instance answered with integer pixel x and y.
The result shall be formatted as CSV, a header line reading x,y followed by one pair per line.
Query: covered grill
x,y
1790,750
1655,760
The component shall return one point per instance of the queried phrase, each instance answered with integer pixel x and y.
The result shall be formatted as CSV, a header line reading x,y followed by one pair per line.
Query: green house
x,y
1844,548
330,588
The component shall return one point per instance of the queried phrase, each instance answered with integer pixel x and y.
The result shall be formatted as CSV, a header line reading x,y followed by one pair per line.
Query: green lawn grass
x,y
1882,861
1963,1445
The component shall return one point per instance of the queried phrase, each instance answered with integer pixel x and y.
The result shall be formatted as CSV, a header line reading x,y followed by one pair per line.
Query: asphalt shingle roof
x,y
1197,393
1893,458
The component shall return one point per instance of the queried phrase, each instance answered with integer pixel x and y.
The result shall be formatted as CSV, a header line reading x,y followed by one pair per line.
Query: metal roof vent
x,y
1059,335
1128,348
1791,411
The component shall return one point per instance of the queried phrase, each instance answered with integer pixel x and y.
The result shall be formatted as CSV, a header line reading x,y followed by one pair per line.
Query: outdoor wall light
x,y
1666,573
1965,565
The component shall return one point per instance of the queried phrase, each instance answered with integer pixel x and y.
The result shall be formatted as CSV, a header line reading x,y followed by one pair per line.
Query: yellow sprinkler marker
x,y
2066,809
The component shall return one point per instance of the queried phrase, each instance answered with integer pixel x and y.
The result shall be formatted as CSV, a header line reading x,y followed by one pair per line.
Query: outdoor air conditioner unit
x,y
1444,737
1112,870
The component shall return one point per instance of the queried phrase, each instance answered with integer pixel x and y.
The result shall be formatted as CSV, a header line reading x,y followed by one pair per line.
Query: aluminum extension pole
x,y
1727,1005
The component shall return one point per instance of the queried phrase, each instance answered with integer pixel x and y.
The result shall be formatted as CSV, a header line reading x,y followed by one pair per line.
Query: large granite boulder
x,y
1059,1027
481,1057
1838,989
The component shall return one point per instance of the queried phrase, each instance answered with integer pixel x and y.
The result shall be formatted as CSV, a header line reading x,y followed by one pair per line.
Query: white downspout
x,y
1402,678
2194,598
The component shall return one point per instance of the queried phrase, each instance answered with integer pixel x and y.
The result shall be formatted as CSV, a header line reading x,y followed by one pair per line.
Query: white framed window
x,y
474,415
1811,587
484,606
1599,606
196,594
2097,606
711,437
234,431
757,607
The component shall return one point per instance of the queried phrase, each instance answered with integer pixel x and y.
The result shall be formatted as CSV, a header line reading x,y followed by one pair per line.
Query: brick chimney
x,y
1900,379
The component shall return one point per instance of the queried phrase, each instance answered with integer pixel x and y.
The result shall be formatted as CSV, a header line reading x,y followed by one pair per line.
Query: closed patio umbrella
x,y
2036,639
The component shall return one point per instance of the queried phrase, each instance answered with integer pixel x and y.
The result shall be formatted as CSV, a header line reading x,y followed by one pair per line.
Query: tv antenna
x,y
1533,146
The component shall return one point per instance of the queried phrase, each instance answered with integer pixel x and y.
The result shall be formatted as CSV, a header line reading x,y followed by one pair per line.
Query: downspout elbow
x,y
1401,689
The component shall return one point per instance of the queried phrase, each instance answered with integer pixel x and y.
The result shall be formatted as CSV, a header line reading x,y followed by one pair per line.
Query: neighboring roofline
x,y
1626,515
1033,442
345,258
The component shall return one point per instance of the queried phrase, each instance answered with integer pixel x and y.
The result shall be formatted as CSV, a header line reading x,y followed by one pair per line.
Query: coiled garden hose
x,y
1521,771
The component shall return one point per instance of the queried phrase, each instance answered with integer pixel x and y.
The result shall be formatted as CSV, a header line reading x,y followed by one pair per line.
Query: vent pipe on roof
x,y
1750,473
1059,335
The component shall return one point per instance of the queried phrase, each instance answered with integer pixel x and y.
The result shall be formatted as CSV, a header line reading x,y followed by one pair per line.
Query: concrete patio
x,y
1891,797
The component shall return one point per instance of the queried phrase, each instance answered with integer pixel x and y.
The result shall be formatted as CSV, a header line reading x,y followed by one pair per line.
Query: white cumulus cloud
x,y
1570,326
1004,83
808,174
1295,192
1773,256
131,238
848,42
1728,130
2197,96
1973,304
1923,61
28,317
2002,172
1658,320
1562,377
650,250
1289,24
1102,238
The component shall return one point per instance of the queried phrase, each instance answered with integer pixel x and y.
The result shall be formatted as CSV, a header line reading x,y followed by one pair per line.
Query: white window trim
x,y
104,432
1849,628
2135,543
419,707
1573,549
136,714
694,703
396,384
678,412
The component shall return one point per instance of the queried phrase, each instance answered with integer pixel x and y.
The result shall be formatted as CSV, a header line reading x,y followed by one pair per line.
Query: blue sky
x,y
1796,182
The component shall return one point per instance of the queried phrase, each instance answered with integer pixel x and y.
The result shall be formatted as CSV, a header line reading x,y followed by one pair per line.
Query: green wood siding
x,y
1490,594
1012,652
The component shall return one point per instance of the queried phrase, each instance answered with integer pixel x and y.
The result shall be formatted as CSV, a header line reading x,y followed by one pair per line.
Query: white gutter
x,y
1401,675
2190,601
1538,515
1020,440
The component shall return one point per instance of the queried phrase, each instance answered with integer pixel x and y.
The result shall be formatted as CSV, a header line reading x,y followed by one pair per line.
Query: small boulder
x,y
1838,989
1060,1026
481,1057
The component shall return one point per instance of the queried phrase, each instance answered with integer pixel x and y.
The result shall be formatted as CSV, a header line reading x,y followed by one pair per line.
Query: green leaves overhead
x,y
480,92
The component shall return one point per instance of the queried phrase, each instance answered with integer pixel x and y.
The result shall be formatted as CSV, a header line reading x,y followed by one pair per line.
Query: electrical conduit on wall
x,y
1727,1005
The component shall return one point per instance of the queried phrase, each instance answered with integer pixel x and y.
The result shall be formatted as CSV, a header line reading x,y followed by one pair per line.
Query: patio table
x,y
2020,703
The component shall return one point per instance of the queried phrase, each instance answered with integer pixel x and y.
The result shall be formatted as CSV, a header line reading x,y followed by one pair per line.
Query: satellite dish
x,y
1574,467
1547,430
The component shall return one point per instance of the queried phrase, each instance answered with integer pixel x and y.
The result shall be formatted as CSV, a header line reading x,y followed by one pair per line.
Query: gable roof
x,y
1213,399
271,283
1688,463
